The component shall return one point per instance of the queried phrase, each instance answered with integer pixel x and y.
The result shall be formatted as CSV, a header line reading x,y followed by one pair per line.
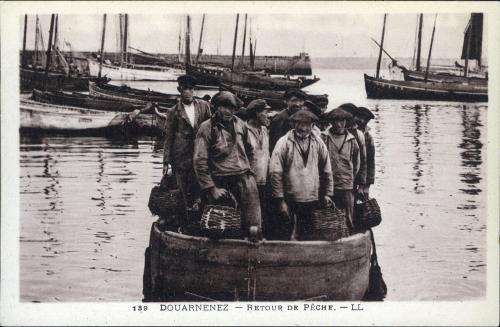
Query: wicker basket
x,y
329,224
165,203
366,214
221,221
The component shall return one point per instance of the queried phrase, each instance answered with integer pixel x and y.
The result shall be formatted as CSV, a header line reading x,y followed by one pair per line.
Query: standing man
x,y
295,100
182,124
301,173
362,117
221,163
257,149
344,155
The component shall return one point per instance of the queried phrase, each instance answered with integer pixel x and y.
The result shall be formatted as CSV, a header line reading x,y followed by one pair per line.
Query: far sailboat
x,y
471,50
379,88
126,71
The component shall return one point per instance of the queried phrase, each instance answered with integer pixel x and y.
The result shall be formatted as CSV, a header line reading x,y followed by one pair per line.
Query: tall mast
x,y
180,42
235,39
120,23
201,37
381,46
430,50
419,44
102,44
244,40
37,36
56,32
49,48
125,41
187,60
23,59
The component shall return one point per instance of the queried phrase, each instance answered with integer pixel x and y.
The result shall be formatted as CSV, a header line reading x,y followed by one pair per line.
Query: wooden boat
x,y
206,75
180,267
127,94
273,98
44,116
82,101
135,72
262,81
379,88
34,79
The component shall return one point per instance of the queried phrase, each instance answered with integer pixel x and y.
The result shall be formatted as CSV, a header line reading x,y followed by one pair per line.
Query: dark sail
x,y
475,27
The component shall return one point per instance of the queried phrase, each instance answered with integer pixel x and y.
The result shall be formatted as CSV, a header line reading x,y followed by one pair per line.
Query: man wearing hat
x,y
352,127
344,155
221,163
301,173
362,117
257,149
182,123
294,99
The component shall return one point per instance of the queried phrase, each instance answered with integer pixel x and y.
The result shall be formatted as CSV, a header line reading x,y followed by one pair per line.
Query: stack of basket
x,y
329,224
221,221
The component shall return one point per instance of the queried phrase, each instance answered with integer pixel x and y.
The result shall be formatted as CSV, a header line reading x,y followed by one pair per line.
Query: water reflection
x,y
471,147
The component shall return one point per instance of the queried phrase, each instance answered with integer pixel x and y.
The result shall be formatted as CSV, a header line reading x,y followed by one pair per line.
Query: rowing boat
x,y
50,117
127,94
379,88
135,72
419,76
181,267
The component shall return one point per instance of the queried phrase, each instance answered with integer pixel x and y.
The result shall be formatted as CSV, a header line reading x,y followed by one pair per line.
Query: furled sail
x,y
474,35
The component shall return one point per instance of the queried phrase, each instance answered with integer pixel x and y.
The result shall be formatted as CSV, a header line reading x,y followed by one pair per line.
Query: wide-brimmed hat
x,y
295,93
336,114
225,98
303,116
365,113
349,107
187,80
256,106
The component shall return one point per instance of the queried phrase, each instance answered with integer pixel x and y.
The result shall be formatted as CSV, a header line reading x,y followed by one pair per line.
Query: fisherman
x,y
182,124
257,149
362,117
345,158
352,127
294,99
301,173
221,163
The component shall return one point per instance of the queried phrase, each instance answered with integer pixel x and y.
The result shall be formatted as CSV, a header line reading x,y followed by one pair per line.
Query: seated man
x,y
301,173
221,164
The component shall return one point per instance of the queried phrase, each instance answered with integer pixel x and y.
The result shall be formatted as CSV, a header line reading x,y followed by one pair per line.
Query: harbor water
x,y
84,219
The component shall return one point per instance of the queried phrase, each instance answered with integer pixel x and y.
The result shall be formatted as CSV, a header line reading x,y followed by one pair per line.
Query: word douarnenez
x,y
275,173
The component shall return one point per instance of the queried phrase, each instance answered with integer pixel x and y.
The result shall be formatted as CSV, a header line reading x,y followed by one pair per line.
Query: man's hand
x,y
167,169
217,193
326,202
283,208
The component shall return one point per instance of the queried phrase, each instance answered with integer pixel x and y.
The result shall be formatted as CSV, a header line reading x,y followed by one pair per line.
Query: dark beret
x,y
295,93
312,107
256,105
187,80
349,107
303,116
336,114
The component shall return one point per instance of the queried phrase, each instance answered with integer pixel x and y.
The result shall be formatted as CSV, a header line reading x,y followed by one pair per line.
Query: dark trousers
x,y
188,185
344,199
303,212
245,190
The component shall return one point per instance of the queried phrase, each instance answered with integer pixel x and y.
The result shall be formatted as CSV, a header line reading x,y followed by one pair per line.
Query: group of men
x,y
301,160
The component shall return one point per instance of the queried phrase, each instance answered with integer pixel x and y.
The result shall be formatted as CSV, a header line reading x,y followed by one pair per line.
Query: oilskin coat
x,y
370,157
218,153
180,134
296,179
345,158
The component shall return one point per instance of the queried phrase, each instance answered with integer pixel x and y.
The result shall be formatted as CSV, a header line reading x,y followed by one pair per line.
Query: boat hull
x,y
264,82
204,75
418,76
387,89
181,267
133,74
130,95
31,79
42,116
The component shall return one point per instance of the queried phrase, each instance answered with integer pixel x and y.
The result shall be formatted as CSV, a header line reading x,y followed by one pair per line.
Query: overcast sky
x,y
339,35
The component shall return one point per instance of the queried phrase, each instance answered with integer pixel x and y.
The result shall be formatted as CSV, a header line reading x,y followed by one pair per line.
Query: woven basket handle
x,y
235,202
